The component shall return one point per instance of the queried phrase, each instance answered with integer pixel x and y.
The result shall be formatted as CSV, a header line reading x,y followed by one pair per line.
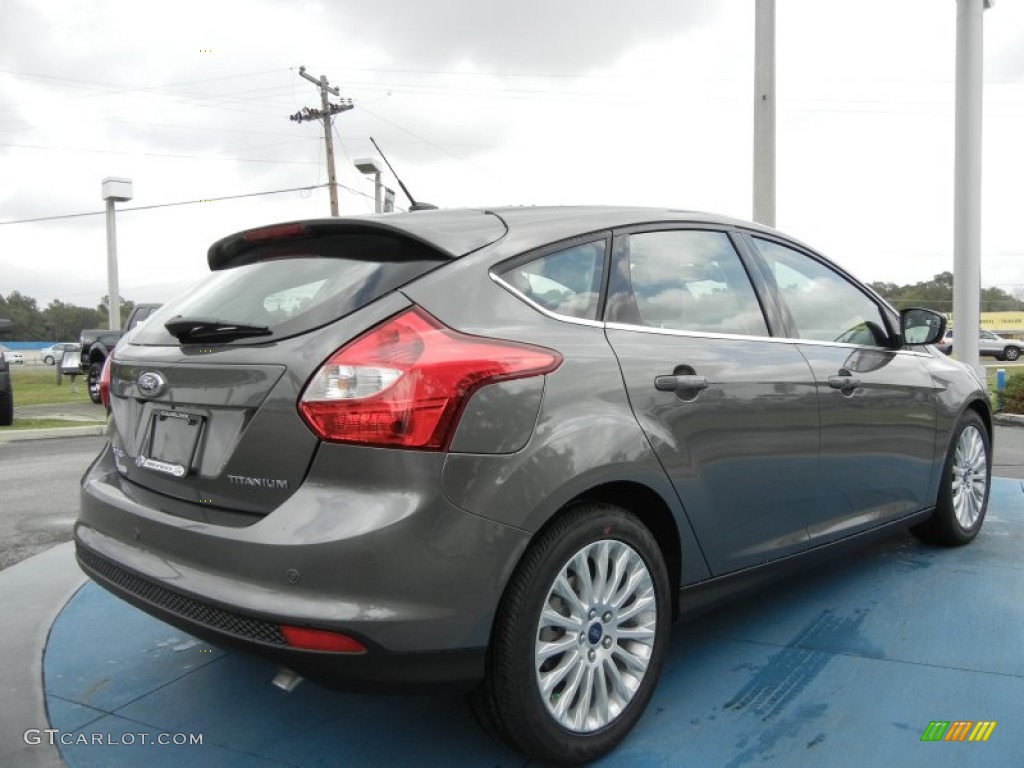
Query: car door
x,y
731,413
878,403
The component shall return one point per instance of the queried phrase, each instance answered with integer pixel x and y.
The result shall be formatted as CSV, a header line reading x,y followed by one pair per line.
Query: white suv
x,y
989,345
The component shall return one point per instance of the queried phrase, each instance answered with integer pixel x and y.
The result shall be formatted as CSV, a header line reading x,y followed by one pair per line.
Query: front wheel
x,y
95,371
48,360
579,638
963,492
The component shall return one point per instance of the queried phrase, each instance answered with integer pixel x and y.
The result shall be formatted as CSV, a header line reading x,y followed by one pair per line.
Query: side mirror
x,y
921,326
6,327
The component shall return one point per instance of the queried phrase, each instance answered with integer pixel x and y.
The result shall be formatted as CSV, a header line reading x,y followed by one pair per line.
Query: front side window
x,y
823,304
566,282
685,280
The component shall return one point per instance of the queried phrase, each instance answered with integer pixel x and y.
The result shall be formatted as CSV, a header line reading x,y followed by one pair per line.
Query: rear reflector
x,y
405,382
320,640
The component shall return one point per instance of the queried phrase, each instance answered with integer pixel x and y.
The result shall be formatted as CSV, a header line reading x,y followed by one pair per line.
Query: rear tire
x,y
1010,354
579,638
964,487
95,371
6,408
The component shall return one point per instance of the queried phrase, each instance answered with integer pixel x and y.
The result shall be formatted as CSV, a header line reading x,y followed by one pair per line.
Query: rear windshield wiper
x,y
193,330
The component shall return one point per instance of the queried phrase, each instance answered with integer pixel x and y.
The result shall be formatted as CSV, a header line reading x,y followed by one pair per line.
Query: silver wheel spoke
x,y
595,635
552,618
546,650
550,680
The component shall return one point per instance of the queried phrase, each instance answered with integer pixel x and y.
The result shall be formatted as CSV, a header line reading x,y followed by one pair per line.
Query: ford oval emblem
x,y
151,383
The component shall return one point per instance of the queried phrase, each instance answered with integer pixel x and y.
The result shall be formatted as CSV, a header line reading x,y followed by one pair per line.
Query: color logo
x,y
958,730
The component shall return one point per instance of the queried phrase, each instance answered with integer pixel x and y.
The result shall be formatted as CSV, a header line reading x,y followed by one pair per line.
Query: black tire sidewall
x,y
529,723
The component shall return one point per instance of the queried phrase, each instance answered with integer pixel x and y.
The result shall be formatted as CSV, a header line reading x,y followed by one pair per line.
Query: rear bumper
x,y
413,578
376,670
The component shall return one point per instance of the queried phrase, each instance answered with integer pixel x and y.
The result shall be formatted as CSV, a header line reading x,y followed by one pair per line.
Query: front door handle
x,y
843,382
680,383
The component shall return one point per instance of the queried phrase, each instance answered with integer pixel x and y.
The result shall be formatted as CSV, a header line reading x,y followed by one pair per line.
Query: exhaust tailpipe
x,y
286,679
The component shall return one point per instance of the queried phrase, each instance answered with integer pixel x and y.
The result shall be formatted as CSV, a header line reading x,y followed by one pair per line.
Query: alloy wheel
x,y
595,635
970,476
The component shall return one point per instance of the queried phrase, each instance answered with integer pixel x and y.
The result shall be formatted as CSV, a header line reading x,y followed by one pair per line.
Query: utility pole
x,y
764,112
325,113
967,179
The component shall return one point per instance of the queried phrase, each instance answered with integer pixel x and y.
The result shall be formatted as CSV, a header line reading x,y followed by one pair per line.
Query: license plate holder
x,y
173,441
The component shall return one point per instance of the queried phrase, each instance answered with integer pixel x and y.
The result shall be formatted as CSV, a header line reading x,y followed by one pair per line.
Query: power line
x,y
182,202
158,154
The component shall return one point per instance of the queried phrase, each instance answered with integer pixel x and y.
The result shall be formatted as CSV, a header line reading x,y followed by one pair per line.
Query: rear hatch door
x,y
204,394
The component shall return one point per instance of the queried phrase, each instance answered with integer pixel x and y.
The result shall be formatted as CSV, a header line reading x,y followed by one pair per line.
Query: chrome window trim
x,y
613,326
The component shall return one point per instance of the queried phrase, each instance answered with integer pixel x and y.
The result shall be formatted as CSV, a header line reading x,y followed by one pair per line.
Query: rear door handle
x,y
843,382
680,383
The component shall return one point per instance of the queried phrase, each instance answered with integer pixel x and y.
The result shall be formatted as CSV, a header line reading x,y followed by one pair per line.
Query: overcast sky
x,y
476,103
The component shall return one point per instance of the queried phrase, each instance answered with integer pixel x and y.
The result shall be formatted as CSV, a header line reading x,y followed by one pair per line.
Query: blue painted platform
x,y
845,665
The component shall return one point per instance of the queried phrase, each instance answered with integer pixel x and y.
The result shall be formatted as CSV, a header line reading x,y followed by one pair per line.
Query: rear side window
x,y
566,282
298,286
685,280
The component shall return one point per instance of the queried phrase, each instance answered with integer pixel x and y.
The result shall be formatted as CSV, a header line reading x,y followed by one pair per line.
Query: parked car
x,y
13,356
6,387
50,355
989,345
510,447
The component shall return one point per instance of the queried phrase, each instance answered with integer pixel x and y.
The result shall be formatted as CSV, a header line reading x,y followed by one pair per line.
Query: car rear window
x,y
295,287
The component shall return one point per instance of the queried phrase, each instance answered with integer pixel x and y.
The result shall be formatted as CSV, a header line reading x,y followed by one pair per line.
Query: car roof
x,y
456,232
546,224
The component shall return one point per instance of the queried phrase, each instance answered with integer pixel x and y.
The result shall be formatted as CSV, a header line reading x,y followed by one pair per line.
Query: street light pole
x,y
967,179
114,190
764,112
369,167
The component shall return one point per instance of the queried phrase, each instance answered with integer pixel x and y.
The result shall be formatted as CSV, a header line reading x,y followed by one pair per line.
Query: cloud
x,y
528,36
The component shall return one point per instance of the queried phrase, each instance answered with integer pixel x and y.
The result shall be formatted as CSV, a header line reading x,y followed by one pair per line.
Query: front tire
x,y
48,360
95,371
580,637
964,487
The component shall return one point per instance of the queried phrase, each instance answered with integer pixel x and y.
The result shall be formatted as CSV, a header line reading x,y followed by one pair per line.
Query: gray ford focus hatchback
x,y
509,447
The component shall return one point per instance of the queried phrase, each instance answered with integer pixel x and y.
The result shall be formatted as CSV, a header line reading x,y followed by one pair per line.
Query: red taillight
x,y
320,640
105,383
404,383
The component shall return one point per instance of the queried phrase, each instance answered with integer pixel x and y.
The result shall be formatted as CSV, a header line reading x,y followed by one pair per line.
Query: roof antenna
x,y
415,206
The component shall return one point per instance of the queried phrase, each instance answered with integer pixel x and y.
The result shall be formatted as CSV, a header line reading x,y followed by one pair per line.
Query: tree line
x,y
937,294
57,321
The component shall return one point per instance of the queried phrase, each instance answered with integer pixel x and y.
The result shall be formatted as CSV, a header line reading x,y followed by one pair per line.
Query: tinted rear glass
x,y
295,287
